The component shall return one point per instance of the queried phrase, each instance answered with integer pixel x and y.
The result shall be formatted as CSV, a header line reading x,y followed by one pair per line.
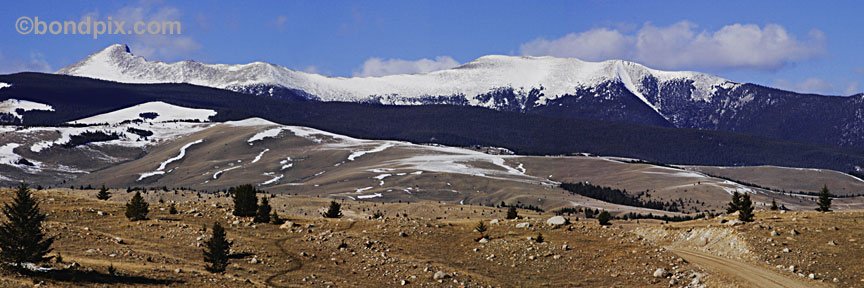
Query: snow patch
x,y
269,133
258,157
273,180
159,171
12,106
166,112
376,195
357,154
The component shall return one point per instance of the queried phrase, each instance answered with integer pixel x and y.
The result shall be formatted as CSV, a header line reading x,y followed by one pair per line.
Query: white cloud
x,y
163,46
853,87
683,46
591,45
312,69
280,21
381,67
809,85
34,63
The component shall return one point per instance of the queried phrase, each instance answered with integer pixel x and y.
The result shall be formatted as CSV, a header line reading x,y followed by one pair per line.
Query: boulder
x,y
556,221
440,275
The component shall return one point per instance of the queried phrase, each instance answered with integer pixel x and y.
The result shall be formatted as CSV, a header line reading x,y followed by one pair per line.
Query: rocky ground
x,y
419,244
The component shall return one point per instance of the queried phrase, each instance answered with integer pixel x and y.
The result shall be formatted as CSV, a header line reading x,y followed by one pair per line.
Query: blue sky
x,y
803,46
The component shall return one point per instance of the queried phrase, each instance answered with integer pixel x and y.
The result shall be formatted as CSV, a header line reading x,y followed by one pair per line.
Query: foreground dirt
x,y
409,247
416,241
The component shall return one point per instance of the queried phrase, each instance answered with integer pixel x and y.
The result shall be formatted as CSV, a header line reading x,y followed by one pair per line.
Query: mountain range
x,y
569,88
529,105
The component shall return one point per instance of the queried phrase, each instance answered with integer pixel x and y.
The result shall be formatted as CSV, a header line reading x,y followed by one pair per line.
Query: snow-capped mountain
x,y
617,91
471,83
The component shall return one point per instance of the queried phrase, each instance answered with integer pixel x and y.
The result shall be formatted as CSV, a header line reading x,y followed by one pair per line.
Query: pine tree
x,y
245,201
334,211
774,205
137,209
275,219
539,238
263,214
512,213
103,194
824,200
21,237
604,217
735,205
481,227
745,209
172,209
217,250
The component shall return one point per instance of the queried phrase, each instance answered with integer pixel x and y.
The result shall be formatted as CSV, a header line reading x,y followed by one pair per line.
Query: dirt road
x,y
754,275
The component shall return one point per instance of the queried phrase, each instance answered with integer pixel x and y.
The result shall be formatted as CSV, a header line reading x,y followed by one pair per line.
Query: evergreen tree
x,y
539,238
334,211
745,209
21,237
604,217
172,209
137,209
735,205
245,201
275,219
103,194
824,200
263,214
774,206
512,213
481,227
217,249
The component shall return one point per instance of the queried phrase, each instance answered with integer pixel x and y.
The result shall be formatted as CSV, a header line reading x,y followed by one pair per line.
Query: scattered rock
x,y
403,234
660,273
523,225
483,240
493,221
287,225
794,232
775,233
556,221
735,222
440,275
832,243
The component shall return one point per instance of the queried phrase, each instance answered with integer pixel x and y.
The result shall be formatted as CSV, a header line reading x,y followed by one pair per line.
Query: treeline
x,y
521,205
790,193
655,163
674,218
616,196
89,137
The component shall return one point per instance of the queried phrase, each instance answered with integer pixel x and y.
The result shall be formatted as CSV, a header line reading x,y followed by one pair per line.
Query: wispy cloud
x,y
162,46
34,63
818,85
382,67
683,46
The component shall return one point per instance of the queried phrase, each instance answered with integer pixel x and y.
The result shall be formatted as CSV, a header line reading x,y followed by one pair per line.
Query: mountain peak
x,y
557,77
